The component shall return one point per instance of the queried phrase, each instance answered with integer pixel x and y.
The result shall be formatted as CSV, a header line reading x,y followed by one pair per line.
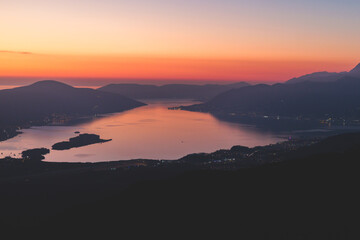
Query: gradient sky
x,y
256,40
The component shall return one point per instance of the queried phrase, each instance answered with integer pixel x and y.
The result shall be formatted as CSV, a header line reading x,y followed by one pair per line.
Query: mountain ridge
x,y
305,99
325,76
175,91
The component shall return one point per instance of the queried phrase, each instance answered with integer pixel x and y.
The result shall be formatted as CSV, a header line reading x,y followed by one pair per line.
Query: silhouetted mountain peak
x,y
318,77
42,99
50,84
356,70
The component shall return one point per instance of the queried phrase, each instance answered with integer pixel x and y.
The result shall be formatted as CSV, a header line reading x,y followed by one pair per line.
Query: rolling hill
x,y
44,98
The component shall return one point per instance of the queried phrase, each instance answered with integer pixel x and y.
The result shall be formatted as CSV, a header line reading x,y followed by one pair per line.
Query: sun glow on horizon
x,y
137,67
158,39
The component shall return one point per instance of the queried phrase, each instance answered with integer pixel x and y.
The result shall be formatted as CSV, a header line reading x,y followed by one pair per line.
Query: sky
x,y
219,40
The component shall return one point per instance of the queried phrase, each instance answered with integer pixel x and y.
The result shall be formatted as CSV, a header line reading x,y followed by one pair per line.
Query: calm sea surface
x,y
151,132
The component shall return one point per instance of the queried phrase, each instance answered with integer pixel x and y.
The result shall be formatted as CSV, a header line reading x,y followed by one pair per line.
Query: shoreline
x,y
7,133
13,131
235,158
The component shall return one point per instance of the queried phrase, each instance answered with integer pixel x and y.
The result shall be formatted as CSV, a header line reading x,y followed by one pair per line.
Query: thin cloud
x,y
15,52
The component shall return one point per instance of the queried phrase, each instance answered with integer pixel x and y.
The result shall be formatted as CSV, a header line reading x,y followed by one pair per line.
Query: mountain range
x,y
326,76
44,98
308,99
313,95
171,91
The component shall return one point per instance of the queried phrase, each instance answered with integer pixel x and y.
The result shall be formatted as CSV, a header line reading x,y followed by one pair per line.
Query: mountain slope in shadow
x,y
306,99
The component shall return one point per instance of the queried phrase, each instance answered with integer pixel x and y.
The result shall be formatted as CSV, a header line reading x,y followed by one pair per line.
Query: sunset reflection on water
x,y
151,132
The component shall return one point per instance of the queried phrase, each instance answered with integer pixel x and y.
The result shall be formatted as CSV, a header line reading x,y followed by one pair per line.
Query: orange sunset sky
x,y
170,40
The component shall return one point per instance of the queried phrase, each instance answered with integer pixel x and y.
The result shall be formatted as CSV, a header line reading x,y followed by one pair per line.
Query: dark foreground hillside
x,y
308,196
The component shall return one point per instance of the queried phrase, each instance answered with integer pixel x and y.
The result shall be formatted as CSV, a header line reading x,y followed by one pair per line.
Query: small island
x,y
79,141
36,154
